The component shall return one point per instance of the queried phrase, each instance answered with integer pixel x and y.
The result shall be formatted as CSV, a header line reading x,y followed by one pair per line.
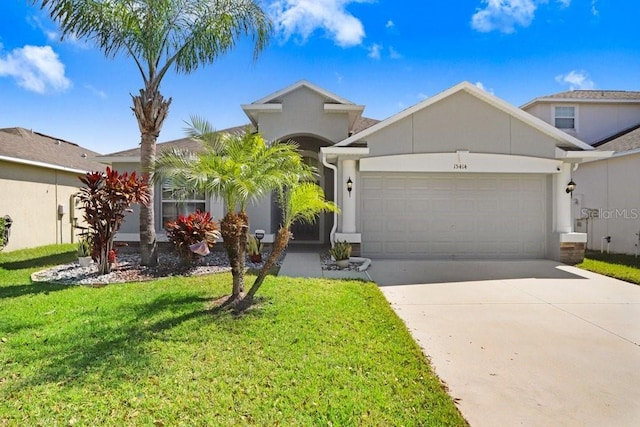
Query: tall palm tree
x,y
237,167
160,35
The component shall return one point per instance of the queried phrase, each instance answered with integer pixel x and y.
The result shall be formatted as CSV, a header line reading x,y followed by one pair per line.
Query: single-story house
x,y
606,202
460,175
38,181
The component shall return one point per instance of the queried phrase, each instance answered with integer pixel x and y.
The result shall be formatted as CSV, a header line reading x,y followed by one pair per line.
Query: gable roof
x,y
19,145
563,139
276,97
332,103
586,96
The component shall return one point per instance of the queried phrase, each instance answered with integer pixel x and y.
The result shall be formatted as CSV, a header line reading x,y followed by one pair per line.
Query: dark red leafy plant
x,y
106,199
187,231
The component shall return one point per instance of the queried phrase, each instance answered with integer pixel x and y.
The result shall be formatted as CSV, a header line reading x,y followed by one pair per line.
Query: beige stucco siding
x,y
609,187
461,122
594,121
31,195
303,113
598,121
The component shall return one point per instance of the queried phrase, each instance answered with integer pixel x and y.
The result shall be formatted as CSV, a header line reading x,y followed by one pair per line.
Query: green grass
x,y
313,352
619,266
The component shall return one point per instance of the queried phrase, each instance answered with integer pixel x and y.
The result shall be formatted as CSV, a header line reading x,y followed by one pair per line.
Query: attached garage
x,y
462,175
452,216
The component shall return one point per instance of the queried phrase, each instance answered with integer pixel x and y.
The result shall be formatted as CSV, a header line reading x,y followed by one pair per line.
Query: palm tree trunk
x,y
233,228
150,109
279,245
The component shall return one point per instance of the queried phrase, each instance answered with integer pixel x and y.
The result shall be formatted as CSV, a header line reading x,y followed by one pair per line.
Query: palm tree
x,y
237,167
160,35
300,201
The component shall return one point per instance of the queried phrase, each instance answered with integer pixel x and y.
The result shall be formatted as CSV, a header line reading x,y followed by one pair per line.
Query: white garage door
x,y
447,216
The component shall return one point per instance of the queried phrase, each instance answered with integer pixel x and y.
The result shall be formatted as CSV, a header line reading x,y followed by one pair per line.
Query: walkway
x,y
309,264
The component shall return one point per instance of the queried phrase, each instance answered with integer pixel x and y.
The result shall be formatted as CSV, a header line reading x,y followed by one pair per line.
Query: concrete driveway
x,y
531,343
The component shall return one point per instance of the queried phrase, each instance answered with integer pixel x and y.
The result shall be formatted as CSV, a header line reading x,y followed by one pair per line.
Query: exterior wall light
x,y
349,186
570,187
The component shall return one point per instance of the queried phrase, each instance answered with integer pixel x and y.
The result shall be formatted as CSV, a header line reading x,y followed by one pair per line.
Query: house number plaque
x,y
459,166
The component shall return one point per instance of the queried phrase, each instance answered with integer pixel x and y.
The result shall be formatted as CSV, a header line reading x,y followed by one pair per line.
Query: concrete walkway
x,y
309,264
536,343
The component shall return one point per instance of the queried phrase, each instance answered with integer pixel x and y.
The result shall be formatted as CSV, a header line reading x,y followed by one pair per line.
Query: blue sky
x,y
385,54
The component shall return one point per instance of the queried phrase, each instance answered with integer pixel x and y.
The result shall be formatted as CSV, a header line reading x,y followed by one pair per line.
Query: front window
x,y
173,205
565,117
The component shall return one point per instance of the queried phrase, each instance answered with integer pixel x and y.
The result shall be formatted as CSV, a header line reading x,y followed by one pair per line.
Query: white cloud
x,y
503,15
594,8
97,92
303,17
565,3
375,51
35,68
576,79
390,24
422,96
480,85
394,54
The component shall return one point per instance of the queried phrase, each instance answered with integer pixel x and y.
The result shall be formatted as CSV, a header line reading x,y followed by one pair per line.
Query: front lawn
x,y
314,352
619,266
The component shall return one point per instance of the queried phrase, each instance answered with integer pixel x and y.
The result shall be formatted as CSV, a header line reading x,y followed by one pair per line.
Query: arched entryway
x,y
317,233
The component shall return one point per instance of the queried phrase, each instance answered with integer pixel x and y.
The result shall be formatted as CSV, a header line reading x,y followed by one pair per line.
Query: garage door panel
x,y
453,216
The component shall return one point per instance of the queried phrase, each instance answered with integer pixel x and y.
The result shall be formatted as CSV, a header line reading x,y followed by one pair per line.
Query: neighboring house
x,y
38,180
461,175
606,202
589,115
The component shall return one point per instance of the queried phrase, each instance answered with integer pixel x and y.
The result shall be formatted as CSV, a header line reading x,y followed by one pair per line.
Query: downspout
x,y
332,234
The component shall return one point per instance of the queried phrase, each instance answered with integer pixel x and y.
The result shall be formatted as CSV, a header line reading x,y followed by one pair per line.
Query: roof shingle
x,y
23,144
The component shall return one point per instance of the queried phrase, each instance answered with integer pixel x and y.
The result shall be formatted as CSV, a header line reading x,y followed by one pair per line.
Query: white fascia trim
x,y
343,108
582,156
500,104
332,153
41,165
460,162
626,153
297,85
263,108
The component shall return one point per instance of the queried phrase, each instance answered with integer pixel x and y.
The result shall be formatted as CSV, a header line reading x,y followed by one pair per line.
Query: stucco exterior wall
x,y
461,122
607,189
594,121
30,196
303,113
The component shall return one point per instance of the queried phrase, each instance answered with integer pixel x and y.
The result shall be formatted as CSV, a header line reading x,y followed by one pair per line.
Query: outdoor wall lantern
x,y
570,187
349,186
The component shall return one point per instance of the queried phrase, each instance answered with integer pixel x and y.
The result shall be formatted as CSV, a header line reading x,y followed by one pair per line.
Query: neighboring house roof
x,y
19,145
133,154
620,96
628,139
563,139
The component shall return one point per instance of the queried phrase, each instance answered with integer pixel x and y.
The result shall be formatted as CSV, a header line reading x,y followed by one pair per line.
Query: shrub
x,y
105,199
197,227
340,250
84,246
254,247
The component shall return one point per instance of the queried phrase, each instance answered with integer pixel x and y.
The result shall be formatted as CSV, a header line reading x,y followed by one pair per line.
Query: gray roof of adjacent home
x,y
628,139
21,145
589,96
596,94
193,145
